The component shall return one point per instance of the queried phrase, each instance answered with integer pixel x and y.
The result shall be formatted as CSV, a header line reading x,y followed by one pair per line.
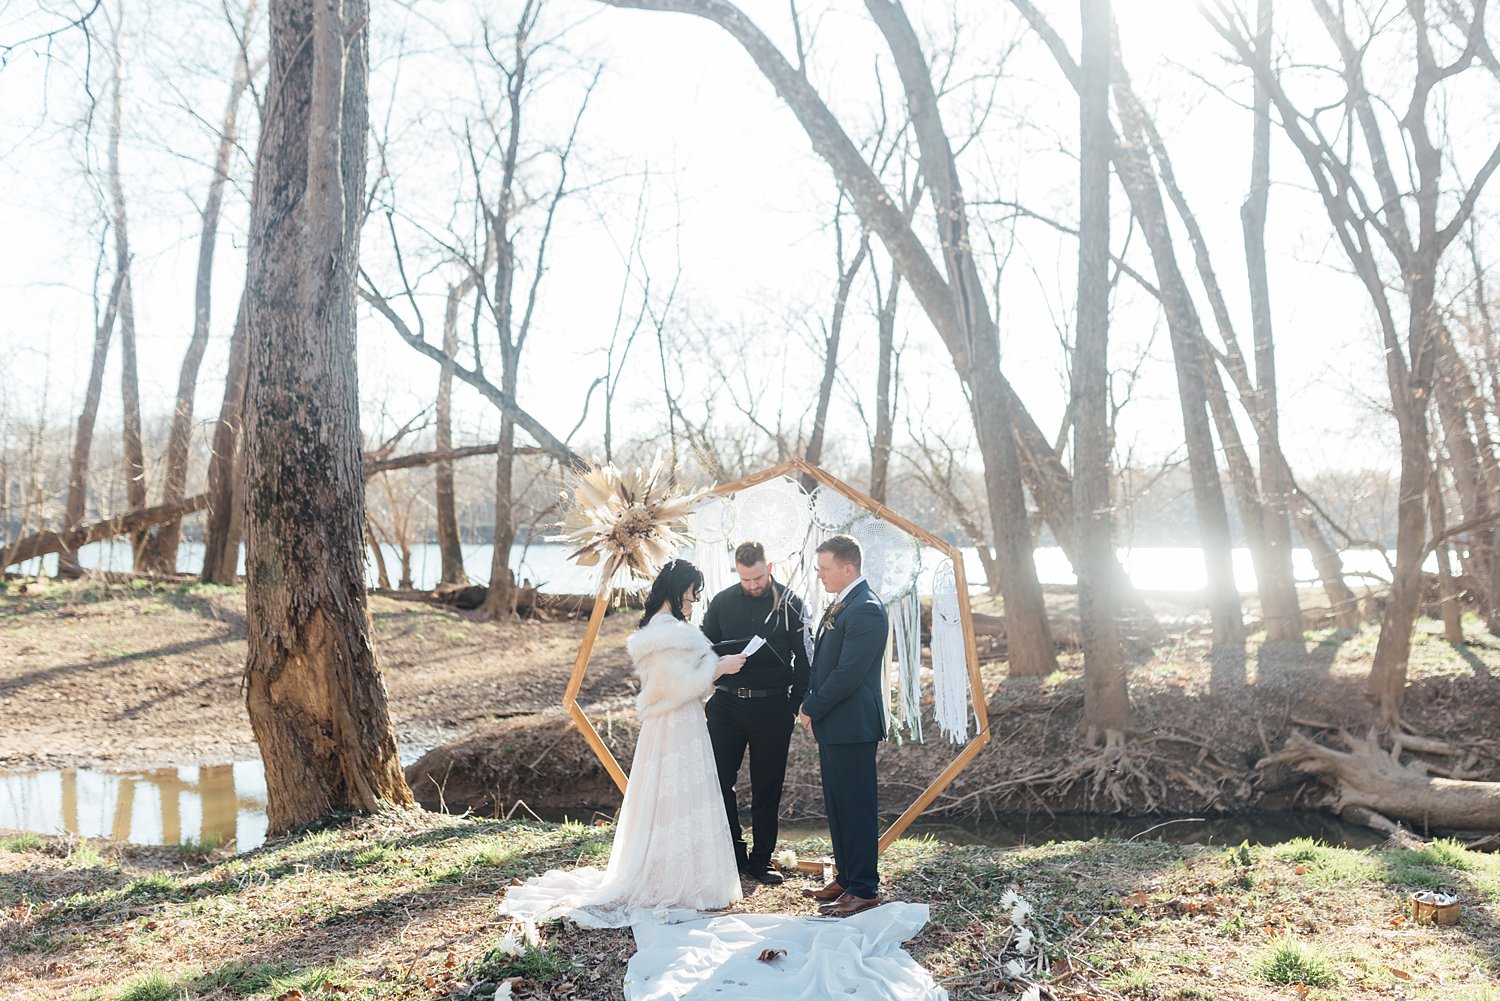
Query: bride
x,y
672,847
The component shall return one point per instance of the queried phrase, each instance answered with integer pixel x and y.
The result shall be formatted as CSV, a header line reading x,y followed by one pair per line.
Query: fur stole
x,y
675,663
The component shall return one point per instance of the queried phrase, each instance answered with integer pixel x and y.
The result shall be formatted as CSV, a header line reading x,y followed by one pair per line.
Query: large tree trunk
x,y
1190,363
1453,629
313,687
1274,575
450,547
1454,390
162,554
226,479
130,385
1371,777
83,440
1106,703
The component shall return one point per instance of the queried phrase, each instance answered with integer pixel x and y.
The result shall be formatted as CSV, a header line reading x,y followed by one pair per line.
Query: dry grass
x,y
403,906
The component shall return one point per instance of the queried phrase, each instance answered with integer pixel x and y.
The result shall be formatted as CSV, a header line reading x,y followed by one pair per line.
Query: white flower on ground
x,y
509,945
1020,912
786,859
1023,941
1013,968
1033,993
1008,899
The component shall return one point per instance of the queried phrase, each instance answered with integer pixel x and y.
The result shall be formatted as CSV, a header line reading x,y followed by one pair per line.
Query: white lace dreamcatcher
x,y
950,662
712,524
775,514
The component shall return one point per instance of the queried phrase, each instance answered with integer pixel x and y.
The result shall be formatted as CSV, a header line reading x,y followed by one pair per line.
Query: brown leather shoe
x,y
849,904
827,895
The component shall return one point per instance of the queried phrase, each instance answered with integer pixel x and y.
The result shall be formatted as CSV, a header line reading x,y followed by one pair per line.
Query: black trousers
x,y
764,726
851,795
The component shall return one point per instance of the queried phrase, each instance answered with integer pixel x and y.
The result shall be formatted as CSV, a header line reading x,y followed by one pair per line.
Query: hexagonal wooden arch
x,y
976,685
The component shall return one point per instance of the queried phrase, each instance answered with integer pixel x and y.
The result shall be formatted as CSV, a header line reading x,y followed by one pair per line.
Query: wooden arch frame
x,y
976,743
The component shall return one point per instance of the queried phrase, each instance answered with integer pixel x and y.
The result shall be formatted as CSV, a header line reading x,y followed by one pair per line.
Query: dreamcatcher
x,y
775,514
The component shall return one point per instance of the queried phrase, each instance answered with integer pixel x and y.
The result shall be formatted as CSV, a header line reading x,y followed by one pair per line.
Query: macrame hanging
x,y
950,668
906,646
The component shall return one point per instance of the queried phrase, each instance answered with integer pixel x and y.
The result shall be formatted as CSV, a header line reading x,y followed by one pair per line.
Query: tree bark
x,y
130,391
885,400
1106,702
1369,776
450,548
832,339
162,553
313,686
83,440
1453,628
226,480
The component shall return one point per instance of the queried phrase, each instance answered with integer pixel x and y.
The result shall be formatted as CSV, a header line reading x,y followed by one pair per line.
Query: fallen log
x,y
1370,777
45,543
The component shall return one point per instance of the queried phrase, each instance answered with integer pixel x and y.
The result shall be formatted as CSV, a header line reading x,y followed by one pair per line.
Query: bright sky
x,y
732,193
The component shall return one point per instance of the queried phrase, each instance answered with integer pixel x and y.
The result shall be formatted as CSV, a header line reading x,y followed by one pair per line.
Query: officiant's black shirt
x,y
776,615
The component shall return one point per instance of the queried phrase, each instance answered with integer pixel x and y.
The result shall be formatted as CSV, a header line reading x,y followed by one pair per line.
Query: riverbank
x,y
141,675
402,905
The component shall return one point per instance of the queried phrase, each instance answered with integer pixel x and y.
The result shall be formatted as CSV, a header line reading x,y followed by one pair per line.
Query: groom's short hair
x,y
749,554
845,549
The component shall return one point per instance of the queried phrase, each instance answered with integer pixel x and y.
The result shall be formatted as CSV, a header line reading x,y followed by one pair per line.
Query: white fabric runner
x,y
826,958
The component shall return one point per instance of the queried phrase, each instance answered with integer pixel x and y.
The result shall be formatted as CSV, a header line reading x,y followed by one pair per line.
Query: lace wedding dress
x,y
672,848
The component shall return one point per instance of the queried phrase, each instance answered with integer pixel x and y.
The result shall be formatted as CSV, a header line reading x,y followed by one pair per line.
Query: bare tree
x,y
83,439
313,686
162,551
956,303
1106,703
1391,257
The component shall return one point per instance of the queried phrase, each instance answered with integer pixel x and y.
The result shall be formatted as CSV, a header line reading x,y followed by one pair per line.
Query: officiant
x,y
756,709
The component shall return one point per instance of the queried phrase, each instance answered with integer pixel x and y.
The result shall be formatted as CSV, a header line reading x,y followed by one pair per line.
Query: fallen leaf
x,y
1301,989
1399,974
1070,919
1301,870
1398,920
1136,899
770,955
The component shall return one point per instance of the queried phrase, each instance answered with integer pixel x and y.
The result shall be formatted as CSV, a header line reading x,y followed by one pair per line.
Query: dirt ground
x,y
135,676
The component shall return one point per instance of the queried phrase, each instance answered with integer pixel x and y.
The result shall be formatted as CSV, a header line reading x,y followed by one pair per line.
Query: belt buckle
x,y
742,693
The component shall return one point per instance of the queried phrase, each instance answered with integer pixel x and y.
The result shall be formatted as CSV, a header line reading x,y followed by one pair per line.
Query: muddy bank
x,y
1193,751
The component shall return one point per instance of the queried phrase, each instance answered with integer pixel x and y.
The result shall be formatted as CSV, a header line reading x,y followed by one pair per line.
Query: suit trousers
x,y
764,726
851,795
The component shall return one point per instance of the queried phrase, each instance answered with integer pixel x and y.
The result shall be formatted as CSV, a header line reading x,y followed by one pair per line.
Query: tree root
x,y
1370,777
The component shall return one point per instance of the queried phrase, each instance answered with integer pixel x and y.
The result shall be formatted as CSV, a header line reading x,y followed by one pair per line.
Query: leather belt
x,y
751,693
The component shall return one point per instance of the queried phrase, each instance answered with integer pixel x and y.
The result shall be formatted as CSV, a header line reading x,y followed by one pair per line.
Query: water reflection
x,y
161,806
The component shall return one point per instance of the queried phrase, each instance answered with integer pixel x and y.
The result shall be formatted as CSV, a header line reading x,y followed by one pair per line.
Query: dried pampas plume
x,y
629,519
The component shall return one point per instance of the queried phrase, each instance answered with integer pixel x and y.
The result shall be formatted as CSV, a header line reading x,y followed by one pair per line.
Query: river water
x,y
1155,568
227,803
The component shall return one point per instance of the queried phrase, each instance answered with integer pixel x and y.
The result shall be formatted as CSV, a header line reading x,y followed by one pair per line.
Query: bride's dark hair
x,y
675,579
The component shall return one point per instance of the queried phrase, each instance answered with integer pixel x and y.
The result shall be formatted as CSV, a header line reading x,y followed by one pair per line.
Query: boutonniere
x,y
829,615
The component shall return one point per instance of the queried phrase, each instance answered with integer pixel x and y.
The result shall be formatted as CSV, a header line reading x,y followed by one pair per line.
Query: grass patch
x,y
1322,864
200,848
1294,962
151,987
240,978
22,843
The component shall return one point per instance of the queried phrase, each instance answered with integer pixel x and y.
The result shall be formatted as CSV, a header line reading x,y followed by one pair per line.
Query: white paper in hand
x,y
756,642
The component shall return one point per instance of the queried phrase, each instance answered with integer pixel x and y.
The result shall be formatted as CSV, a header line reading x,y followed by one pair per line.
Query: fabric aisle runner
x,y
858,957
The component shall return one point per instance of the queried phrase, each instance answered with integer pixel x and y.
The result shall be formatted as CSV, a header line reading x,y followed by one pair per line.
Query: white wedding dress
x,y
672,848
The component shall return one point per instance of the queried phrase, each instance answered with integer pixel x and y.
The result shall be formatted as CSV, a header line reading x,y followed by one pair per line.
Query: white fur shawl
x,y
675,663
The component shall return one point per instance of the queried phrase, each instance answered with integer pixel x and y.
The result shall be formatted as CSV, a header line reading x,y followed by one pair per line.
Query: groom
x,y
845,711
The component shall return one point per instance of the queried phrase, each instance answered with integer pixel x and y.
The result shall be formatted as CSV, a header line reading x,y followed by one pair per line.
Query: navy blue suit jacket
x,y
844,698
